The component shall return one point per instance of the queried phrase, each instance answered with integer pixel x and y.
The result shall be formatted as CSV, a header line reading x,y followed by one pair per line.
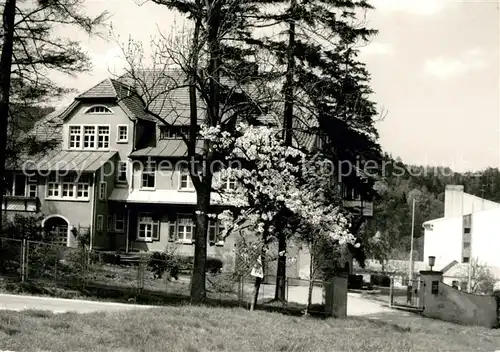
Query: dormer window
x,y
99,109
174,132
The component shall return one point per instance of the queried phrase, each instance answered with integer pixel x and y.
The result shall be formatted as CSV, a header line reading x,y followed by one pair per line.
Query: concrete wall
x,y
458,203
485,237
336,297
444,241
453,305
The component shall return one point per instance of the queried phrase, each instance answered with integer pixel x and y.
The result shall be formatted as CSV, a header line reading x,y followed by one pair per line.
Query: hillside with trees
x,y
393,209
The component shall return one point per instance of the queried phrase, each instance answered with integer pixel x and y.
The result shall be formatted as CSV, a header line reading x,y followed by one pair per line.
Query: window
x,y
148,229
103,137
102,190
185,181
350,193
99,109
82,190
467,230
68,187
32,187
466,246
122,134
322,141
121,175
229,183
215,229
148,176
172,235
75,137
119,222
109,224
173,132
20,186
52,187
100,221
89,137
465,259
185,228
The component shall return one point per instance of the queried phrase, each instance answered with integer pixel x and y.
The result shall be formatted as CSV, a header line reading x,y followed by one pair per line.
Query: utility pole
x,y
469,274
411,243
483,189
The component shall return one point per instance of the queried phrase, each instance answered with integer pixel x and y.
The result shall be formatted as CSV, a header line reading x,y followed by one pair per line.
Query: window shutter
x,y
193,234
172,235
156,231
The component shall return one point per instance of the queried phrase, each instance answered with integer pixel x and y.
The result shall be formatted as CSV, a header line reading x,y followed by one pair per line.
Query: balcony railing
x,y
17,203
365,206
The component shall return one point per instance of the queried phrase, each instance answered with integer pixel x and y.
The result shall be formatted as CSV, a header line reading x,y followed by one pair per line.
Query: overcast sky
x,y
434,65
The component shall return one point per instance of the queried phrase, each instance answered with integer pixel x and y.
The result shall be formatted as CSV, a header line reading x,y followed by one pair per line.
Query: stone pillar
x,y
336,297
429,286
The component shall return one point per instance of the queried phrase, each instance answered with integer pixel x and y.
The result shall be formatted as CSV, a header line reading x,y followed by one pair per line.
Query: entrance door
x,y
56,230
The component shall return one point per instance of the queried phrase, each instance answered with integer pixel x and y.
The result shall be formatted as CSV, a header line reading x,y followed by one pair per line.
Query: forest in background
x,y
393,209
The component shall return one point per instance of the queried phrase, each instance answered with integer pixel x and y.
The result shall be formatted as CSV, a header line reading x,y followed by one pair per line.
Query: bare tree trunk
x,y
204,187
255,296
311,281
288,125
8,18
198,277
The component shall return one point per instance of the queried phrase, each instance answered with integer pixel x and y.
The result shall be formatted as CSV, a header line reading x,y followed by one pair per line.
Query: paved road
x,y
360,306
58,305
356,306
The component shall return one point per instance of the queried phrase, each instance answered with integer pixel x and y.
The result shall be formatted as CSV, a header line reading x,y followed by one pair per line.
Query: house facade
x,y
120,175
468,231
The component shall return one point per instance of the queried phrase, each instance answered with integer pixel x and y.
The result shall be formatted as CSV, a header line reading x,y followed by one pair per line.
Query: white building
x,y
470,229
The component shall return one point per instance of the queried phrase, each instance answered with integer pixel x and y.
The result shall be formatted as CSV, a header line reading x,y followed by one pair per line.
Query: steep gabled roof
x,y
48,128
104,89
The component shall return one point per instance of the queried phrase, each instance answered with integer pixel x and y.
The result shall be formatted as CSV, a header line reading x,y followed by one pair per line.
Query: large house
x,y
120,174
469,230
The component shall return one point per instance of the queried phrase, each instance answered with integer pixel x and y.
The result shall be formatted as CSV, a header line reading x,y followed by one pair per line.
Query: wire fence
x,y
141,275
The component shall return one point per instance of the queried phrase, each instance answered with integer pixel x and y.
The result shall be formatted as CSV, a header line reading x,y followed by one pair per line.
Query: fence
x,y
139,276
409,295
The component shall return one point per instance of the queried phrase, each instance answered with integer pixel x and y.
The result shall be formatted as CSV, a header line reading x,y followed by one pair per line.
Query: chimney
x,y
453,201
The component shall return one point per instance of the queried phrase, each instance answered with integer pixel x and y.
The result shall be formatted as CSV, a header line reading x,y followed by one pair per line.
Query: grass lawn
x,y
192,329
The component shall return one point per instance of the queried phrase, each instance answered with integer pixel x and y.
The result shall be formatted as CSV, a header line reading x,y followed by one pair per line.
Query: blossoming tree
x,y
278,187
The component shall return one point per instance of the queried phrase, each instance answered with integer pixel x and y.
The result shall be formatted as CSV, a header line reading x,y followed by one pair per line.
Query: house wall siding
x,y
168,174
165,215
118,117
107,175
77,212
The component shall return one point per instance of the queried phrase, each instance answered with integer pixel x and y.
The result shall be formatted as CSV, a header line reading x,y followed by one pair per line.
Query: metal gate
x,y
410,295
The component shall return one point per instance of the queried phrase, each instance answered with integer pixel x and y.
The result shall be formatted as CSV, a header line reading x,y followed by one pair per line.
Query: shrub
x,y
380,280
355,282
161,262
223,283
28,227
10,257
214,265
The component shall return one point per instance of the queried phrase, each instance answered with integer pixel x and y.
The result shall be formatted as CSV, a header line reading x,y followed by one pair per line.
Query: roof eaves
x,y
69,109
127,111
